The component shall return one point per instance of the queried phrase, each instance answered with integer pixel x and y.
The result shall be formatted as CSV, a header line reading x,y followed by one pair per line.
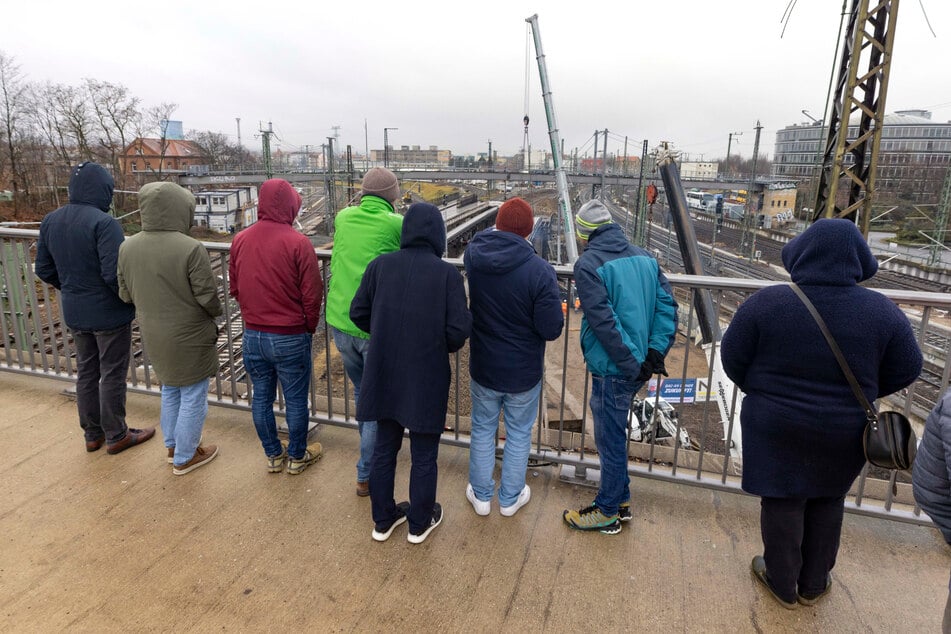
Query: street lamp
x,y
729,142
386,146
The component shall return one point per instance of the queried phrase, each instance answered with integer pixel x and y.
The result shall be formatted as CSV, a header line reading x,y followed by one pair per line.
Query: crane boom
x,y
561,179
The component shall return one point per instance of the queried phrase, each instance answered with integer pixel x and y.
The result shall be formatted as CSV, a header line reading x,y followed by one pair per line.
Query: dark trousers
x,y
102,360
424,449
800,542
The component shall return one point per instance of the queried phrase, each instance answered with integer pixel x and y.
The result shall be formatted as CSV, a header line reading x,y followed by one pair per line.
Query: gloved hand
x,y
653,364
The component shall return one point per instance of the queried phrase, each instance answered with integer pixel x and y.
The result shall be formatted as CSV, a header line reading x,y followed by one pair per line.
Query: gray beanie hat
x,y
592,215
381,182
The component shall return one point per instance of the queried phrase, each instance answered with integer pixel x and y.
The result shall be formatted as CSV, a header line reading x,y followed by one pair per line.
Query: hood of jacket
x,y
424,226
498,252
278,201
609,238
91,184
166,207
831,252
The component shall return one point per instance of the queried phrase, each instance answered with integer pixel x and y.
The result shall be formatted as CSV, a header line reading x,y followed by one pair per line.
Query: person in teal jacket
x,y
361,233
629,324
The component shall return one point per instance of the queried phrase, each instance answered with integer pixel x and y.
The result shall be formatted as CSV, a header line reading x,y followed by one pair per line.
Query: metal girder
x,y
851,163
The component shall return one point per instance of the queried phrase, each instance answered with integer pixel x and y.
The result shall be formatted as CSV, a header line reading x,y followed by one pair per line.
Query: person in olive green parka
x,y
167,275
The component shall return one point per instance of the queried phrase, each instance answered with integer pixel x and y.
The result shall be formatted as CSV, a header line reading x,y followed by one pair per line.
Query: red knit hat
x,y
515,216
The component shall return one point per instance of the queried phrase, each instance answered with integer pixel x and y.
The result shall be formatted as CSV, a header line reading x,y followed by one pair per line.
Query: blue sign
x,y
675,390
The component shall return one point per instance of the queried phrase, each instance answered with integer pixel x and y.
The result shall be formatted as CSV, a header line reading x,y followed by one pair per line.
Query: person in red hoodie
x,y
276,280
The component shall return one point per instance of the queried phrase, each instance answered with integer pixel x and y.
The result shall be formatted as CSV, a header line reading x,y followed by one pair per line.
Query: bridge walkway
x,y
93,542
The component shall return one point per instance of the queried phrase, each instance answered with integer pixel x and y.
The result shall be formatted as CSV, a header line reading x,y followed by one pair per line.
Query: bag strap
x,y
846,370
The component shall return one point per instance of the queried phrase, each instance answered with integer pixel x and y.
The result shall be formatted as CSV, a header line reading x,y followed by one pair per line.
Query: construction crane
x,y
561,179
861,87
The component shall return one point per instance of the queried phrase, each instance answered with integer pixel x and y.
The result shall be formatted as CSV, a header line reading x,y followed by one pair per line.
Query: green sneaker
x,y
592,519
311,455
624,512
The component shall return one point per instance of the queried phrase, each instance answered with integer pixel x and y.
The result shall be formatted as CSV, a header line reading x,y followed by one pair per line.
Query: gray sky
x,y
454,74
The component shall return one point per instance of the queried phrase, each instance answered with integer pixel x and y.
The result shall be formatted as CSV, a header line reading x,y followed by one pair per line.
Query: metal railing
x,y
34,340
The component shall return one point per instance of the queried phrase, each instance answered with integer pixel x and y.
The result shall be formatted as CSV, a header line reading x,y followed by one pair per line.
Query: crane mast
x,y
852,162
561,179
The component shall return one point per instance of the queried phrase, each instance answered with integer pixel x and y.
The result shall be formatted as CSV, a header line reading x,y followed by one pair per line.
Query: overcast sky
x,y
454,74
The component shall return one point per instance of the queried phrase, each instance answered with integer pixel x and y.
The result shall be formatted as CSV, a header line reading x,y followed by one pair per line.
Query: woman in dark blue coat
x,y
801,424
413,304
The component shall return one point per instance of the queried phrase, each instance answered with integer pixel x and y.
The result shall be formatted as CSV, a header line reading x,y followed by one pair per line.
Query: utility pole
x,y
350,188
749,227
488,164
637,235
594,188
366,147
851,156
331,178
604,160
625,155
266,149
729,142
941,221
386,146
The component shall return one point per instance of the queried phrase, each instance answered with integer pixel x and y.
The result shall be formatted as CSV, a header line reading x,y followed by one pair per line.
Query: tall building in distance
x,y
914,155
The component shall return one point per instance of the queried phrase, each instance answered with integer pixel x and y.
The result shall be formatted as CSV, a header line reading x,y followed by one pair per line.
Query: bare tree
x,y
221,152
156,120
117,116
12,97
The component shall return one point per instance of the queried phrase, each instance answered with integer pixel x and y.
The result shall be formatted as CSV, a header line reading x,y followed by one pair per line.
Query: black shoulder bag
x,y
889,440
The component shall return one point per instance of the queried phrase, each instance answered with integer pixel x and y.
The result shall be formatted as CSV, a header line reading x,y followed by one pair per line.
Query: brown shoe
x,y
363,489
132,437
203,455
94,445
171,455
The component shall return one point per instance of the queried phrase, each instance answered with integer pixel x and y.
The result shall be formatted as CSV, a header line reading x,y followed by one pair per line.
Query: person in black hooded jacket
x,y
76,253
413,304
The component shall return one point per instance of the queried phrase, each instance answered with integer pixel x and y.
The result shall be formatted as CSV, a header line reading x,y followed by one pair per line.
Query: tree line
x,y
46,128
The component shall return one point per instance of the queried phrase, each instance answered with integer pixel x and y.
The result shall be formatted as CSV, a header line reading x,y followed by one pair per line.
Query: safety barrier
x,y
34,340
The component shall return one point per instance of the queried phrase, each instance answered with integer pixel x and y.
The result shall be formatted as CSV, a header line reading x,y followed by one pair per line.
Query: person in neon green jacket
x,y
361,233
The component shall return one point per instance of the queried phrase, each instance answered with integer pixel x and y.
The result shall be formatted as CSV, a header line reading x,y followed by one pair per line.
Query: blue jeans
x,y
521,410
610,409
269,358
183,417
353,351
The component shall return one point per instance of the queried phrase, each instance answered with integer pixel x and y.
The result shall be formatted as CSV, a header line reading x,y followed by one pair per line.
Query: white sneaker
x,y
522,500
480,507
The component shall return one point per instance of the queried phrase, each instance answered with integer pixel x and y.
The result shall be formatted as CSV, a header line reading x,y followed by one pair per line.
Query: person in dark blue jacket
x,y
77,252
801,424
628,326
413,304
516,308
931,478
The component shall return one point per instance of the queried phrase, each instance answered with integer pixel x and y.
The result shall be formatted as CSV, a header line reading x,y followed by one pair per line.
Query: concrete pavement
x,y
93,542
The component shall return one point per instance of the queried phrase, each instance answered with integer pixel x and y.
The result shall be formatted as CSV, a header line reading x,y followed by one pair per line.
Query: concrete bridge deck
x,y
92,542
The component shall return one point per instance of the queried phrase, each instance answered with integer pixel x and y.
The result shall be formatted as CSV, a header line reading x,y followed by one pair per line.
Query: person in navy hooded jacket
x,y
516,308
801,424
413,304
77,253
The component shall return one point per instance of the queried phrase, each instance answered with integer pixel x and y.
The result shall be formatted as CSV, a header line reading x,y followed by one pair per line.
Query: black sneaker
x,y
383,530
433,523
624,512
